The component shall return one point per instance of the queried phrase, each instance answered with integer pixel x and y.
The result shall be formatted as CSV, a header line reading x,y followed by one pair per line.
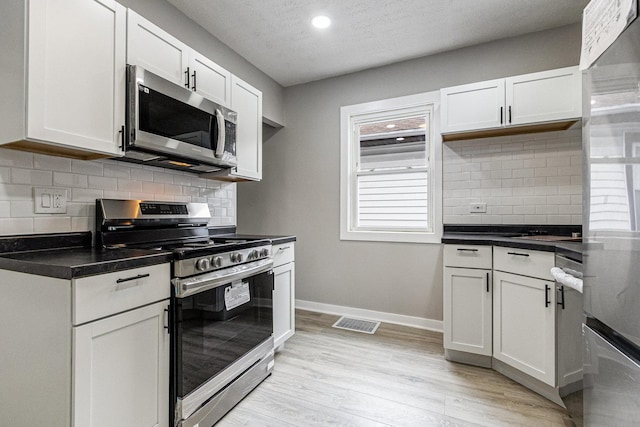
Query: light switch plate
x,y
49,200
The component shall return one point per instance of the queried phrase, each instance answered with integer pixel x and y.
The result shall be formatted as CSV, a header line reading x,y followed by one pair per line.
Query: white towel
x,y
566,279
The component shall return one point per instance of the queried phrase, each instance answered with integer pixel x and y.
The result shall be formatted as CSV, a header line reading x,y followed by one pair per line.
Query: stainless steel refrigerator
x,y
611,228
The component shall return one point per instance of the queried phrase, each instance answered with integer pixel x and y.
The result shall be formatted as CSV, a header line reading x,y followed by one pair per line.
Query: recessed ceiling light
x,y
391,126
321,21
400,139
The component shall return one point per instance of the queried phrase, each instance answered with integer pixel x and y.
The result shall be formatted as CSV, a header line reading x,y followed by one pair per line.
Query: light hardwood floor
x,y
397,377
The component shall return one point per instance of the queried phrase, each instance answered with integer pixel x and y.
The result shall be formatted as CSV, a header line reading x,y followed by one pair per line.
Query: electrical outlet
x,y
477,207
50,200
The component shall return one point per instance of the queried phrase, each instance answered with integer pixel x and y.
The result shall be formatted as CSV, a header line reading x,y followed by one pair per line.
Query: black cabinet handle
x,y
547,301
187,75
194,81
561,303
517,254
128,279
488,290
501,115
509,113
467,250
121,132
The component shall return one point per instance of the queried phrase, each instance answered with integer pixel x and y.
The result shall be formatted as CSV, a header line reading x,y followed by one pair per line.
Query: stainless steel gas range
x,y
221,308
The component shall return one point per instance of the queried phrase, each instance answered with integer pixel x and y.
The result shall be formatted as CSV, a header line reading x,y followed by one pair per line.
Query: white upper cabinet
x,y
209,79
247,102
546,96
156,50
159,52
74,74
472,106
530,99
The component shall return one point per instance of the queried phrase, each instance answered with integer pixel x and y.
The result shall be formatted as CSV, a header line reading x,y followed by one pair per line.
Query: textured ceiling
x,y
276,35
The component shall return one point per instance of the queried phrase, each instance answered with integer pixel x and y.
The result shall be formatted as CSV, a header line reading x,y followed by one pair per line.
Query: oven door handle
x,y
204,282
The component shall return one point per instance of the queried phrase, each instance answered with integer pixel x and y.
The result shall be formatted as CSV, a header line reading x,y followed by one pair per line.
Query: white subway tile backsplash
x,y
88,180
16,159
103,183
86,168
22,208
12,226
63,179
44,162
5,174
45,224
5,209
524,179
31,176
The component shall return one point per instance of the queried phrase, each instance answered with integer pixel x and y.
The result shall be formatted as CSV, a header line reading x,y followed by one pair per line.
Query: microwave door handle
x,y
221,134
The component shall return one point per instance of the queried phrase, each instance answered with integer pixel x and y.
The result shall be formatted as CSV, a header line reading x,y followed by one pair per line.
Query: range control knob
x,y
236,257
254,254
202,264
264,252
216,261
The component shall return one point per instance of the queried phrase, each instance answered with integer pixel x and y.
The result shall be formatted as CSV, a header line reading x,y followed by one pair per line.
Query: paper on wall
x,y
602,22
236,295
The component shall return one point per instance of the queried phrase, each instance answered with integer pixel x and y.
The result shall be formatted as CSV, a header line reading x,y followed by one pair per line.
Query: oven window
x,y
162,115
216,327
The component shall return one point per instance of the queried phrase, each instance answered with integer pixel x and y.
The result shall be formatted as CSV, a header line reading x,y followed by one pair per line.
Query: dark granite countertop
x,y
511,236
80,262
72,263
70,255
275,240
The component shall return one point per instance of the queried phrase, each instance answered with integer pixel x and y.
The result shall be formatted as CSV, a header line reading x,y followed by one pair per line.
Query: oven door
x,y
219,333
176,122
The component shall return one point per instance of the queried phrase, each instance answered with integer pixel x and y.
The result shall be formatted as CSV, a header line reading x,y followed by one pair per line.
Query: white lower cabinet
x,y
524,325
121,370
501,304
108,367
284,307
467,295
467,299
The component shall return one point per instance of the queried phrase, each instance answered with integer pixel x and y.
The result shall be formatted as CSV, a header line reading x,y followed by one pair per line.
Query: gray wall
x,y
170,19
299,193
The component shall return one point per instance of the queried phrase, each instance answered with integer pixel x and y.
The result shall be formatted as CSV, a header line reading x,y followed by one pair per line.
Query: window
x,y
390,179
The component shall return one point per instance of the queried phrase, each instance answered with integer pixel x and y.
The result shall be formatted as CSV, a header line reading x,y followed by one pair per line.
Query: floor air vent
x,y
357,325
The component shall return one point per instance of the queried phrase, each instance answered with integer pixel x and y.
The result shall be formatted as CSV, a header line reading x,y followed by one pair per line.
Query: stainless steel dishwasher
x,y
569,320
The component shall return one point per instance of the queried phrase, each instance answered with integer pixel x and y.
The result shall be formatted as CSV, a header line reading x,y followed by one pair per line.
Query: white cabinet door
x,y
209,79
156,50
467,310
524,324
76,74
472,106
121,370
247,102
545,96
284,308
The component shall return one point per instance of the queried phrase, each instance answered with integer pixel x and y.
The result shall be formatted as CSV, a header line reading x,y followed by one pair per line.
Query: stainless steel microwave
x,y
174,127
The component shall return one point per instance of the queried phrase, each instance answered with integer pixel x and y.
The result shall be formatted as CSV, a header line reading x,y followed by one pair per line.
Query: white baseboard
x,y
379,316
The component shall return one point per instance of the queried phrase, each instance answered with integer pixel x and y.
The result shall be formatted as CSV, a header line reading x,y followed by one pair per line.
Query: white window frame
x,y
348,177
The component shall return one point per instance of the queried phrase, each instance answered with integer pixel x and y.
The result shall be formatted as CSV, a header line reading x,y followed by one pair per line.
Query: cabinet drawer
x,y
467,256
283,254
100,296
524,262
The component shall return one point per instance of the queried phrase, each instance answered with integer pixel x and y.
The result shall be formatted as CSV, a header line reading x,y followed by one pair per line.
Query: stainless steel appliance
x,y
569,320
221,308
174,127
611,226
